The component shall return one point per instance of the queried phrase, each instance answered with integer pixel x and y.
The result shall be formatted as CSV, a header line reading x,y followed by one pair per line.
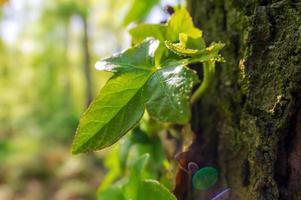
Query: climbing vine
x,y
151,80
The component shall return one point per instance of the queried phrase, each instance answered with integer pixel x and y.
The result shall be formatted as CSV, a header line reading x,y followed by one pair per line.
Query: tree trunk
x,y
86,65
249,121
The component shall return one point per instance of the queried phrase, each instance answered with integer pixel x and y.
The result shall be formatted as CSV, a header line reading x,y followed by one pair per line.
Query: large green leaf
x,y
153,190
120,104
140,57
170,90
116,110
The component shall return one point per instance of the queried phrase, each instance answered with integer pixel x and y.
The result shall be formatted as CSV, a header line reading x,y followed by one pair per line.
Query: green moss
x,y
252,97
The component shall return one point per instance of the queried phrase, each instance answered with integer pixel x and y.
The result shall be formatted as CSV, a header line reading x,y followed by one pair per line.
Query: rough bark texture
x,y
250,117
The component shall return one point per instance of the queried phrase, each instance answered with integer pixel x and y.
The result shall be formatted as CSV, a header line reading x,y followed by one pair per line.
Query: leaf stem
x,y
208,70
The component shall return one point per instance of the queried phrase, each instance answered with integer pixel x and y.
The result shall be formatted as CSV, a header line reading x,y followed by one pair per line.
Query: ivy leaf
x,y
157,31
120,104
151,189
140,57
116,110
170,88
181,22
180,49
143,31
183,48
215,47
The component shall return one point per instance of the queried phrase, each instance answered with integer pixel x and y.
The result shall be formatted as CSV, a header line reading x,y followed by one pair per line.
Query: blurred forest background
x,y
48,49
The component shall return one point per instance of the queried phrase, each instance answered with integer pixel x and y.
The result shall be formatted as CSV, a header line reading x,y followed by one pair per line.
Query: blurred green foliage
x,y
139,10
43,93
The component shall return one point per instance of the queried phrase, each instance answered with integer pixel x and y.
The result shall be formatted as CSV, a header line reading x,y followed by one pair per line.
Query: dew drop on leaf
x,y
204,178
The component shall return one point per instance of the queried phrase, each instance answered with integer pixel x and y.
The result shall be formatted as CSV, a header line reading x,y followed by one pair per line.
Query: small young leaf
x,y
190,47
153,190
169,90
181,22
180,49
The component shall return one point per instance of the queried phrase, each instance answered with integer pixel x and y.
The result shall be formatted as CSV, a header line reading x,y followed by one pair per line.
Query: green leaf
x,y
180,49
215,47
139,164
136,171
125,147
139,10
170,90
195,43
157,31
143,31
156,151
111,163
116,110
140,57
112,193
190,47
120,104
153,190
181,22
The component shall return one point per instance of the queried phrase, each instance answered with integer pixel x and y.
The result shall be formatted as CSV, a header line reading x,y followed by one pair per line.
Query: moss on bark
x,y
249,115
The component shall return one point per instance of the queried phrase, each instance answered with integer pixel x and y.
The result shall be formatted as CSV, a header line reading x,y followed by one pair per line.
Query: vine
x,y
153,75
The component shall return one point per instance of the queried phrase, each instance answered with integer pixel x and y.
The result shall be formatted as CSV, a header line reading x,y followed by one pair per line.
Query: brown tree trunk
x,y
249,121
86,65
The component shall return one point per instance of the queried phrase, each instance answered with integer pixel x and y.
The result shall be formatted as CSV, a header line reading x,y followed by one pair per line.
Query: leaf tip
x,y
75,150
76,147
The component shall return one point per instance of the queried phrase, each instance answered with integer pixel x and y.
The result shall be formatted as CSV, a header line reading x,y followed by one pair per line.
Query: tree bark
x,y
87,61
249,121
